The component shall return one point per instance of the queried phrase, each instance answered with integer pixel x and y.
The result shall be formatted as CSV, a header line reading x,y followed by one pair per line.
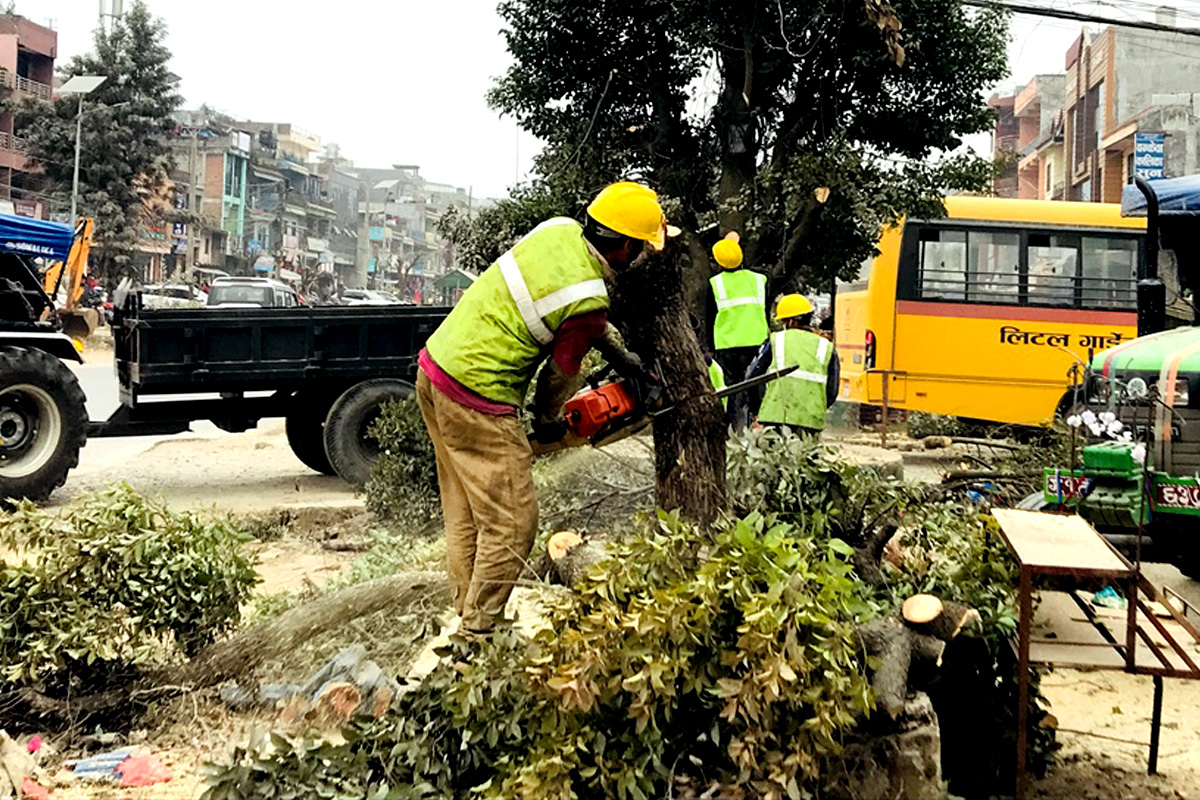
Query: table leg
x,y
1155,724
1025,599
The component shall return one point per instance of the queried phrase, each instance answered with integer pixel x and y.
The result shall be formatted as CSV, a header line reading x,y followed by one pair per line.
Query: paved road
x,y
206,467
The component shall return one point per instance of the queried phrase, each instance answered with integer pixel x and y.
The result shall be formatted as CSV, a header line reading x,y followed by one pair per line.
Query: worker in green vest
x,y
799,399
737,313
545,301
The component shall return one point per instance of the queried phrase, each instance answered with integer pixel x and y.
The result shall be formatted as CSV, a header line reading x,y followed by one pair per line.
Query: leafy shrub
x,y
738,666
116,583
403,488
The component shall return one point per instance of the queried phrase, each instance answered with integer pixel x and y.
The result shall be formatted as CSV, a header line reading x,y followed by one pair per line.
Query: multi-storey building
x,y
27,53
1124,90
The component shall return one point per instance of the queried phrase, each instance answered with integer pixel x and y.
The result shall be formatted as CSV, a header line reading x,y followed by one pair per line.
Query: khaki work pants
x,y
485,474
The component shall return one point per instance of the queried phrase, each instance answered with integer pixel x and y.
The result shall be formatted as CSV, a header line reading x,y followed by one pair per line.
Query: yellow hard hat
x,y
632,210
792,305
728,252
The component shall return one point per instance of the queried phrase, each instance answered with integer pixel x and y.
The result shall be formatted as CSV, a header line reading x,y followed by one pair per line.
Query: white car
x,y
172,295
251,293
367,297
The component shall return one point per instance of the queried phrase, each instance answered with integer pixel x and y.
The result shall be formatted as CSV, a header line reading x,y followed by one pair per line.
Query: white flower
x,y
1108,417
1074,420
1127,436
1096,428
1139,453
1114,428
1089,418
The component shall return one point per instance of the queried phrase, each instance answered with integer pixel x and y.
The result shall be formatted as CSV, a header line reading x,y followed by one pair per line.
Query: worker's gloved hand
x,y
548,431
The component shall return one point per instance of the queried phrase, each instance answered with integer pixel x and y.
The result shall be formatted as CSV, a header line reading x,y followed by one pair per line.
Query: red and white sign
x,y
1064,486
1173,495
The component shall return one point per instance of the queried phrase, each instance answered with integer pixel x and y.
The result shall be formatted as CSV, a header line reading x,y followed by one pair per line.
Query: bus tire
x,y
305,428
352,453
43,423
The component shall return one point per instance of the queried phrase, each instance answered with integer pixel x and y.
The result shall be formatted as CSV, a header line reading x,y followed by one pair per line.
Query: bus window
x,y
1053,269
995,265
943,264
1109,273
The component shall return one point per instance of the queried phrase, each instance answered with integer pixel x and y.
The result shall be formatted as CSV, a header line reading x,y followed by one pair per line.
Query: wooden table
x,y
1052,545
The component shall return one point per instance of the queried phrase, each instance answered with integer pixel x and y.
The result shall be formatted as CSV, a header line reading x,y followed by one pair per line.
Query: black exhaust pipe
x,y
1151,291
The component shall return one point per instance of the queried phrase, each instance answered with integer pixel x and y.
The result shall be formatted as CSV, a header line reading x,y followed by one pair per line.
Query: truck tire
x,y
352,453
305,428
43,423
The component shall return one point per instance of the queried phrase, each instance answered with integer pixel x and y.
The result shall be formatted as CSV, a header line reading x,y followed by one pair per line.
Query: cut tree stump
x,y
909,646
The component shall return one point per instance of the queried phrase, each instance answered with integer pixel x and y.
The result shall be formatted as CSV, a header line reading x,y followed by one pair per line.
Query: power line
x,y
1076,16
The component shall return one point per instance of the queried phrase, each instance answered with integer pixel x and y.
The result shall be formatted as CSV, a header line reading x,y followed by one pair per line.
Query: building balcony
x,y
10,143
11,81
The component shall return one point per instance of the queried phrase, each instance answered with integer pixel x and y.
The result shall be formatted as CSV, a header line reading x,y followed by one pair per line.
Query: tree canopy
x,y
743,111
124,161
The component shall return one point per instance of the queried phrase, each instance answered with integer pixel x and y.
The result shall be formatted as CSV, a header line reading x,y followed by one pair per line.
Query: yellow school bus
x,y
982,314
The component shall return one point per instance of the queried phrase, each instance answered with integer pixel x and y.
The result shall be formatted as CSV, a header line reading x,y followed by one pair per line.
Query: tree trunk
x,y
245,650
689,442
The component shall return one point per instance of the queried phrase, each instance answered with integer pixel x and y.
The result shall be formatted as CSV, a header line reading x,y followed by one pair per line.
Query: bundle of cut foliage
x,y
951,550
99,594
737,667
403,488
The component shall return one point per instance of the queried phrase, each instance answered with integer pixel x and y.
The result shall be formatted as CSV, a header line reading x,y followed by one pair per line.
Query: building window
x,y
1049,178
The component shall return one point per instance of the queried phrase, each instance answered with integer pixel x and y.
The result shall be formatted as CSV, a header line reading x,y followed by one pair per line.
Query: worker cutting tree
x,y
737,315
545,300
800,399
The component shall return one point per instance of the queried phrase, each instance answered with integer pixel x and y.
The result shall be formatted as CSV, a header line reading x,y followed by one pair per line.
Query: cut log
x,y
909,653
561,542
571,557
921,608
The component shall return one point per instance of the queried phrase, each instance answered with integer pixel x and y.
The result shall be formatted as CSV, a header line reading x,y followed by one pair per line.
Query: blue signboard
x,y
1149,158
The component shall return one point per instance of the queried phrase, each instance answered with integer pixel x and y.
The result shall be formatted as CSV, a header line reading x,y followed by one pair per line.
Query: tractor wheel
x,y
352,452
43,423
305,428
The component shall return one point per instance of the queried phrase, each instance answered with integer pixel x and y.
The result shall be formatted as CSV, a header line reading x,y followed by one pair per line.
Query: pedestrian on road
x,y
545,300
737,318
799,399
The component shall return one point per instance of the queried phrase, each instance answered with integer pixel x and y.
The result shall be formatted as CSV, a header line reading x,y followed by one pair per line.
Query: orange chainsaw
x,y
610,411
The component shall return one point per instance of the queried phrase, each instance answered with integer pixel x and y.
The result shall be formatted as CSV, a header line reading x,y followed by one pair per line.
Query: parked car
x,y
367,297
172,295
251,293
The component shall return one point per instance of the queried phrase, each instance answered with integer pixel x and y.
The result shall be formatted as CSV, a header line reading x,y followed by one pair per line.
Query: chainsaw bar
x,y
731,389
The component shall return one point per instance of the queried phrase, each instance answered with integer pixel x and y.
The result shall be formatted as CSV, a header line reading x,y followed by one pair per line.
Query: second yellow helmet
x,y
727,252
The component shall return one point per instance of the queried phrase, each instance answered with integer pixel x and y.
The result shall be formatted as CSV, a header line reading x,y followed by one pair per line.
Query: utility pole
x,y
364,241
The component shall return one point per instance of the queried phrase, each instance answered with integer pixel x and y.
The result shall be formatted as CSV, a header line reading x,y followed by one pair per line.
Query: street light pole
x,y
81,85
78,148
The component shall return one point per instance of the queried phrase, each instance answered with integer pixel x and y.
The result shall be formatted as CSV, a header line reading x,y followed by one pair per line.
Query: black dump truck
x,y
325,370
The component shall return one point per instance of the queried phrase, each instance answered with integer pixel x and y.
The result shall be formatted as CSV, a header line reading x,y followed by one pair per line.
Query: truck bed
x,y
238,350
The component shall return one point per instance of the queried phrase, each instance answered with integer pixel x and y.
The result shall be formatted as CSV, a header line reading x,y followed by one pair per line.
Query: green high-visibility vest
x,y
494,339
798,398
717,376
741,297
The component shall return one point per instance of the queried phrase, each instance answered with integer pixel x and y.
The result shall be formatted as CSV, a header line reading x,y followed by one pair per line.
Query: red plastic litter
x,y
35,744
144,770
33,789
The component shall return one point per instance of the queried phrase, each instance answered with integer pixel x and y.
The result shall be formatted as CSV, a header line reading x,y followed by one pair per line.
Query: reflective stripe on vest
x,y
777,345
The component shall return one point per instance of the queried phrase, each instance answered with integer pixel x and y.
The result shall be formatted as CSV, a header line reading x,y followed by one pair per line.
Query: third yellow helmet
x,y
792,305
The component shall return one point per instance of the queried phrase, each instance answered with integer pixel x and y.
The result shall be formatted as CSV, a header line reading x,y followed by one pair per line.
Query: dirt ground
x,y
256,473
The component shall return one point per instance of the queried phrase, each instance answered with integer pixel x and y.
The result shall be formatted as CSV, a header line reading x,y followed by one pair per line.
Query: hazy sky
x,y
405,82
